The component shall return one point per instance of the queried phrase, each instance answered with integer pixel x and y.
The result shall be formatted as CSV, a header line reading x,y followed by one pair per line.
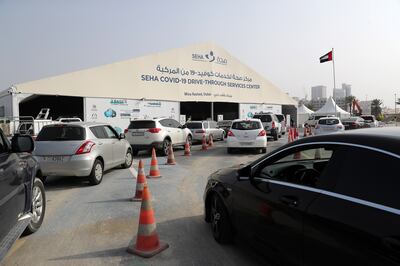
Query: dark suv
x,y
22,196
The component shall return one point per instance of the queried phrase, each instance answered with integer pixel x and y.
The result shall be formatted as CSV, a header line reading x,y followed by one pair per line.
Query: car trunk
x,y
43,148
245,135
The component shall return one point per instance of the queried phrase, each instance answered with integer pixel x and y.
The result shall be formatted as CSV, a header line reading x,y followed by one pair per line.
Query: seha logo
x,y
209,57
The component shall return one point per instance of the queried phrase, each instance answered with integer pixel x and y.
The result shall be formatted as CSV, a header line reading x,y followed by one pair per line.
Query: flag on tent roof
x,y
326,57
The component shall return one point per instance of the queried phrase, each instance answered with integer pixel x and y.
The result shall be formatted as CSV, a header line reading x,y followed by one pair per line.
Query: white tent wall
x,y
331,108
303,113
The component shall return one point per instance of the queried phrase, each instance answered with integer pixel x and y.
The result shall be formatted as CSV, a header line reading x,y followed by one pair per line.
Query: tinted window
x,y
110,133
142,124
194,125
61,133
3,145
368,118
304,167
99,132
175,123
370,176
246,125
328,121
280,117
224,123
263,118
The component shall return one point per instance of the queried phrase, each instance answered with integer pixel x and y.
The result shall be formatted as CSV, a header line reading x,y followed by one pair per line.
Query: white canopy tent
x,y
303,113
330,108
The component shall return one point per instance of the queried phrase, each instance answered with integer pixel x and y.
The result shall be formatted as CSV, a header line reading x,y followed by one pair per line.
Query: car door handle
x,y
100,143
290,201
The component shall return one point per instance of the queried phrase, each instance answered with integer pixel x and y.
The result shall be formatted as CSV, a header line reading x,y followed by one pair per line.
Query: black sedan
x,y
323,200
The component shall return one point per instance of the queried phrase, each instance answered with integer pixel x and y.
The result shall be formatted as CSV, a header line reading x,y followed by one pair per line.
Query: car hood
x,y
227,175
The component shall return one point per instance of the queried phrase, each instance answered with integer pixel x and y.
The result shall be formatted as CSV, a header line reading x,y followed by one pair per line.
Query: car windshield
x,y
194,125
246,125
61,133
263,118
328,121
142,124
368,118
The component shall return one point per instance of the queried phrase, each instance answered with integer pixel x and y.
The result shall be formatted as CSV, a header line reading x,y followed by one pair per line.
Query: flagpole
x,y
334,81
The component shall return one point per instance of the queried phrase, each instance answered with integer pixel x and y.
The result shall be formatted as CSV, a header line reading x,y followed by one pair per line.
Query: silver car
x,y
81,149
207,128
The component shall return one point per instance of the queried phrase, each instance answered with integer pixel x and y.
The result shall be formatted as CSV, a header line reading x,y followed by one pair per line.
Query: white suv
x,y
158,133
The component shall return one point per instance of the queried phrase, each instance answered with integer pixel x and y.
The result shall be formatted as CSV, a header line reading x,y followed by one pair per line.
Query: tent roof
x,y
330,107
304,110
201,72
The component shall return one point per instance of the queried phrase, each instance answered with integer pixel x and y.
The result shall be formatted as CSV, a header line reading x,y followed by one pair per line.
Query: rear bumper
x,y
196,137
75,165
260,142
156,145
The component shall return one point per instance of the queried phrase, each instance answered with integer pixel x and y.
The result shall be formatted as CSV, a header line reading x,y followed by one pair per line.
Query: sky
x,y
281,40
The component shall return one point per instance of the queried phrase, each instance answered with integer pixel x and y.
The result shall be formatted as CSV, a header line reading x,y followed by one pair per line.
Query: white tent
x,y
303,113
330,108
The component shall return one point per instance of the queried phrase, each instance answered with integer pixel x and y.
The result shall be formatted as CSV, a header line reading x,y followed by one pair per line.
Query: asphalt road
x,y
93,225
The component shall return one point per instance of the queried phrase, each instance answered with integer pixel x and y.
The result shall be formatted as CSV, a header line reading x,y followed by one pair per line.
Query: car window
x,y
110,132
142,124
280,117
264,118
98,132
194,125
205,125
328,122
175,123
165,122
370,176
246,125
61,133
301,166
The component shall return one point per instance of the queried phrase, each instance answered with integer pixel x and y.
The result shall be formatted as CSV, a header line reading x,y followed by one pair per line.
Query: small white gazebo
x,y
303,113
331,108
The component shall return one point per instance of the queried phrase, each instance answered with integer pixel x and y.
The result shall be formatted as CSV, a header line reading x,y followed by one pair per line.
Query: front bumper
x,y
72,165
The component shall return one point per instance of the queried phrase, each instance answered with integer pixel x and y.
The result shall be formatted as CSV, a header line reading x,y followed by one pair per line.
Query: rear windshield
x,y
280,118
194,125
142,124
246,125
263,118
368,118
61,133
224,123
328,121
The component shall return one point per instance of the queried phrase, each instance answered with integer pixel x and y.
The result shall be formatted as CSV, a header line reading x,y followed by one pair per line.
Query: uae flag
x,y
326,57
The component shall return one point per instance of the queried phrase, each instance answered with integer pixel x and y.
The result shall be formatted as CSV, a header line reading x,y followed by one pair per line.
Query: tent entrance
x,y
203,110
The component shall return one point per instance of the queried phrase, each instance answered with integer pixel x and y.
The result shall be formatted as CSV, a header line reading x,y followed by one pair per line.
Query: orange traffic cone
x,y
309,131
171,157
290,135
154,171
296,134
204,143
305,134
147,242
140,182
210,141
187,149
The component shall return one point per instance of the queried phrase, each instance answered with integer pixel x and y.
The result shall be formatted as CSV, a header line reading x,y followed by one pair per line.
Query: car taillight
x,y
262,133
230,134
273,125
154,130
200,131
125,131
86,147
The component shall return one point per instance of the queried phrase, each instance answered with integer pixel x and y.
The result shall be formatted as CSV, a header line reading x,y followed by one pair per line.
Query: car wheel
x,y
165,147
135,152
38,207
276,136
220,224
96,175
128,159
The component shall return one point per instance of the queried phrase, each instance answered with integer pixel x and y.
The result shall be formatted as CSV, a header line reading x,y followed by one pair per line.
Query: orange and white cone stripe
x,y
154,171
140,182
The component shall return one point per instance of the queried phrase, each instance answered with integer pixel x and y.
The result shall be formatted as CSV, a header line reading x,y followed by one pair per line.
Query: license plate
x,y
137,133
56,159
245,143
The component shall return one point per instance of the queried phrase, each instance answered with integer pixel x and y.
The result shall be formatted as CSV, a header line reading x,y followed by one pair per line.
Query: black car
x,y
22,195
325,200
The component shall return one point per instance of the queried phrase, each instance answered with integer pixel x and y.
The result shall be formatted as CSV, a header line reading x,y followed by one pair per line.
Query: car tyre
x,y
220,223
165,147
128,159
96,176
276,136
38,207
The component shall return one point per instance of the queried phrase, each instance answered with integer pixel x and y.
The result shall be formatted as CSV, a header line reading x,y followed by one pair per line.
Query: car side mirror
x,y
121,135
244,173
22,143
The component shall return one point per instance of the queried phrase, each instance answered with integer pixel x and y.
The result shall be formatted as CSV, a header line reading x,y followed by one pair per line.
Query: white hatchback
x,y
326,125
248,133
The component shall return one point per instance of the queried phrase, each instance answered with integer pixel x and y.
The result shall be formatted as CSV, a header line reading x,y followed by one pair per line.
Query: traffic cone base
x,y
204,143
147,254
171,157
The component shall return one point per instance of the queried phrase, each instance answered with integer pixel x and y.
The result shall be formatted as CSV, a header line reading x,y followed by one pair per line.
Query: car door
x,y
118,145
270,208
180,132
357,222
105,146
12,189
